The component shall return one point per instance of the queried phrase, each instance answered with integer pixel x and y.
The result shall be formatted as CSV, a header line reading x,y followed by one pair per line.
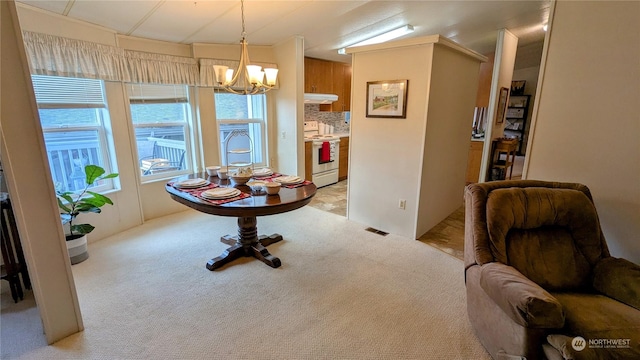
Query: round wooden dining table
x,y
247,243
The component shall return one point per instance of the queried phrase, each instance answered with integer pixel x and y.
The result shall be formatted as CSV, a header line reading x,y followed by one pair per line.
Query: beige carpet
x,y
341,293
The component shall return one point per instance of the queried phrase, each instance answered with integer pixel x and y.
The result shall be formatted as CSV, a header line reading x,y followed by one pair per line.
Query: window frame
x,y
254,102
188,129
102,128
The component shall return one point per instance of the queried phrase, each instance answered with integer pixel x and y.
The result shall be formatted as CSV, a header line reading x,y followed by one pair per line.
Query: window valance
x,y
59,56
160,69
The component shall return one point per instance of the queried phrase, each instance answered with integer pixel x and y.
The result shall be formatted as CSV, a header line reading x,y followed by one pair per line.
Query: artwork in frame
x,y
502,105
517,87
387,99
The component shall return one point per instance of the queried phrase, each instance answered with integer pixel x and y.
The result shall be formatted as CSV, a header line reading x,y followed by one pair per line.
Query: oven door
x,y
315,157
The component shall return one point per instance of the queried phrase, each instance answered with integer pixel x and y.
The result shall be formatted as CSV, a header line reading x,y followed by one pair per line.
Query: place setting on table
x,y
206,190
261,181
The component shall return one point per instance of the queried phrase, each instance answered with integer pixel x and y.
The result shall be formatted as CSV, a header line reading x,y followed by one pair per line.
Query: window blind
x,y
153,93
56,91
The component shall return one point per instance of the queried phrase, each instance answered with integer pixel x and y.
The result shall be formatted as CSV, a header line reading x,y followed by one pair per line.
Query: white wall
x,y
288,154
451,103
587,125
27,173
504,61
386,153
421,159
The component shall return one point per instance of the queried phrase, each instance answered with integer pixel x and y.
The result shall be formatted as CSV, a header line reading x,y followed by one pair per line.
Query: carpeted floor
x,y
341,293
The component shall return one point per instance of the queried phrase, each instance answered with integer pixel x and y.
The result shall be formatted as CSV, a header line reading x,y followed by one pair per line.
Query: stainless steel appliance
x,y
325,154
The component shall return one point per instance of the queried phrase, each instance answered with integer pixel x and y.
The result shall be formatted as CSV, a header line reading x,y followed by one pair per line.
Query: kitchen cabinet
x,y
343,169
318,76
329,77
474,161
341,86
517,118
307,160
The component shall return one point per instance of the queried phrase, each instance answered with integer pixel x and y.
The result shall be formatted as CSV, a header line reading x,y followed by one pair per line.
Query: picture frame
x,y
517,87
387,99
502,105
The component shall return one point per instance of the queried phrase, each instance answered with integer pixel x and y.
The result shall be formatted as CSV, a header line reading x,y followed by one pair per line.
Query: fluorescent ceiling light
x,y
389,35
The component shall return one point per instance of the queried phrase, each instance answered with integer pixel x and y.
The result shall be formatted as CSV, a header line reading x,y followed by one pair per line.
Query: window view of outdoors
x,y
242,112
160,114
72,114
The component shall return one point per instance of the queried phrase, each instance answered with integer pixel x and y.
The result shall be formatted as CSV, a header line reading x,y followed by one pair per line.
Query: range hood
x,y
314,98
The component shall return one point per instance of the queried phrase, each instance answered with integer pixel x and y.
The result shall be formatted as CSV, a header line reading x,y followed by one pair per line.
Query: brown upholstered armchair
x,y
538,274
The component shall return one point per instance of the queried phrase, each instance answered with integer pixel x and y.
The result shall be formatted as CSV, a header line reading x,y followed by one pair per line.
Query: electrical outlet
x,y
402,204
283,134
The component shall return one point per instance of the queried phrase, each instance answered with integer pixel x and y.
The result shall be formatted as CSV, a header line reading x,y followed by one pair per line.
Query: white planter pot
x,y
77,248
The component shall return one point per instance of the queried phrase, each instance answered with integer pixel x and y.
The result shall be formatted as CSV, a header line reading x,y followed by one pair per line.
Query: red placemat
x,y
198,191
275,175
268,178
293,186
224,201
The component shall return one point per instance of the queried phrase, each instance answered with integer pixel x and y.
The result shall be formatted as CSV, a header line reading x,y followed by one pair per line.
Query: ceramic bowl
x,y
272,188
212,170
222,174
239,180
256,186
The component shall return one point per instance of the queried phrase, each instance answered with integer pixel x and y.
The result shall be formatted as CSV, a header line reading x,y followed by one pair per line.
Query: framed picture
x,y
387,99
502,105
517,87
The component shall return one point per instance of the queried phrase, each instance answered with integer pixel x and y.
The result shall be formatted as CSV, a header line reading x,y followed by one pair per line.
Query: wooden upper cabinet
x,y
341,86
329,77
318,76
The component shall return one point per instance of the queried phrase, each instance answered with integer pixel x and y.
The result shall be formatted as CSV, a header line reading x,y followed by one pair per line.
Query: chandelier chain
x,y
254,75
244,32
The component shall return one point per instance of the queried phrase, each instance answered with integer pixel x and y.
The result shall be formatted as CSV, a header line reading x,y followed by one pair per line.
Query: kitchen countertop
x,y
336,134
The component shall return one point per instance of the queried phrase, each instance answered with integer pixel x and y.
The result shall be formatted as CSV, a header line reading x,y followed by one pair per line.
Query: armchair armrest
x,y
618,279
524,301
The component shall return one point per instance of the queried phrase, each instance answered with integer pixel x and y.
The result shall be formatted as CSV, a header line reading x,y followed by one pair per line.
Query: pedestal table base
x,y
247,243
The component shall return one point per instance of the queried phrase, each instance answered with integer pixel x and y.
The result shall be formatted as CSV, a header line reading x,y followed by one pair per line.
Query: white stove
x,y
325,154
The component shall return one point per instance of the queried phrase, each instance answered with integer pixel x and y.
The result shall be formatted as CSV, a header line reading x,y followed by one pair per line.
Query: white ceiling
x,y
325,25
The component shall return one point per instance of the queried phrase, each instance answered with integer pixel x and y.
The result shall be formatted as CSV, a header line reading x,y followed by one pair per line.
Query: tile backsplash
x,y
312,112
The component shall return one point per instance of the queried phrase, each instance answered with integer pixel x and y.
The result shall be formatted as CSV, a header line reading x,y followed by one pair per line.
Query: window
x,y
161,119
75,123
247,112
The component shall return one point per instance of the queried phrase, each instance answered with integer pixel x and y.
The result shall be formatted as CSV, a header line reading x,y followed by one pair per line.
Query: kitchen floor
x,y
332,198
447,236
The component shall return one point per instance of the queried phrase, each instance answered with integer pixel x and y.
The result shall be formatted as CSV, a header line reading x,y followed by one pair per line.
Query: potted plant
x,y
73,204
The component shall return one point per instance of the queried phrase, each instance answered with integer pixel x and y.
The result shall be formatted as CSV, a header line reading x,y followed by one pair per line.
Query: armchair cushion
x,y
619,279
524,301
562,344
560,226
598,318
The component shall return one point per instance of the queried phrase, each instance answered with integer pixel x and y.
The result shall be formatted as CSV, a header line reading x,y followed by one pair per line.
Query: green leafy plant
x,y
72,204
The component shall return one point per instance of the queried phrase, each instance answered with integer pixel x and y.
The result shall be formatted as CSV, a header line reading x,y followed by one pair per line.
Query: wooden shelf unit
x,y
516,118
